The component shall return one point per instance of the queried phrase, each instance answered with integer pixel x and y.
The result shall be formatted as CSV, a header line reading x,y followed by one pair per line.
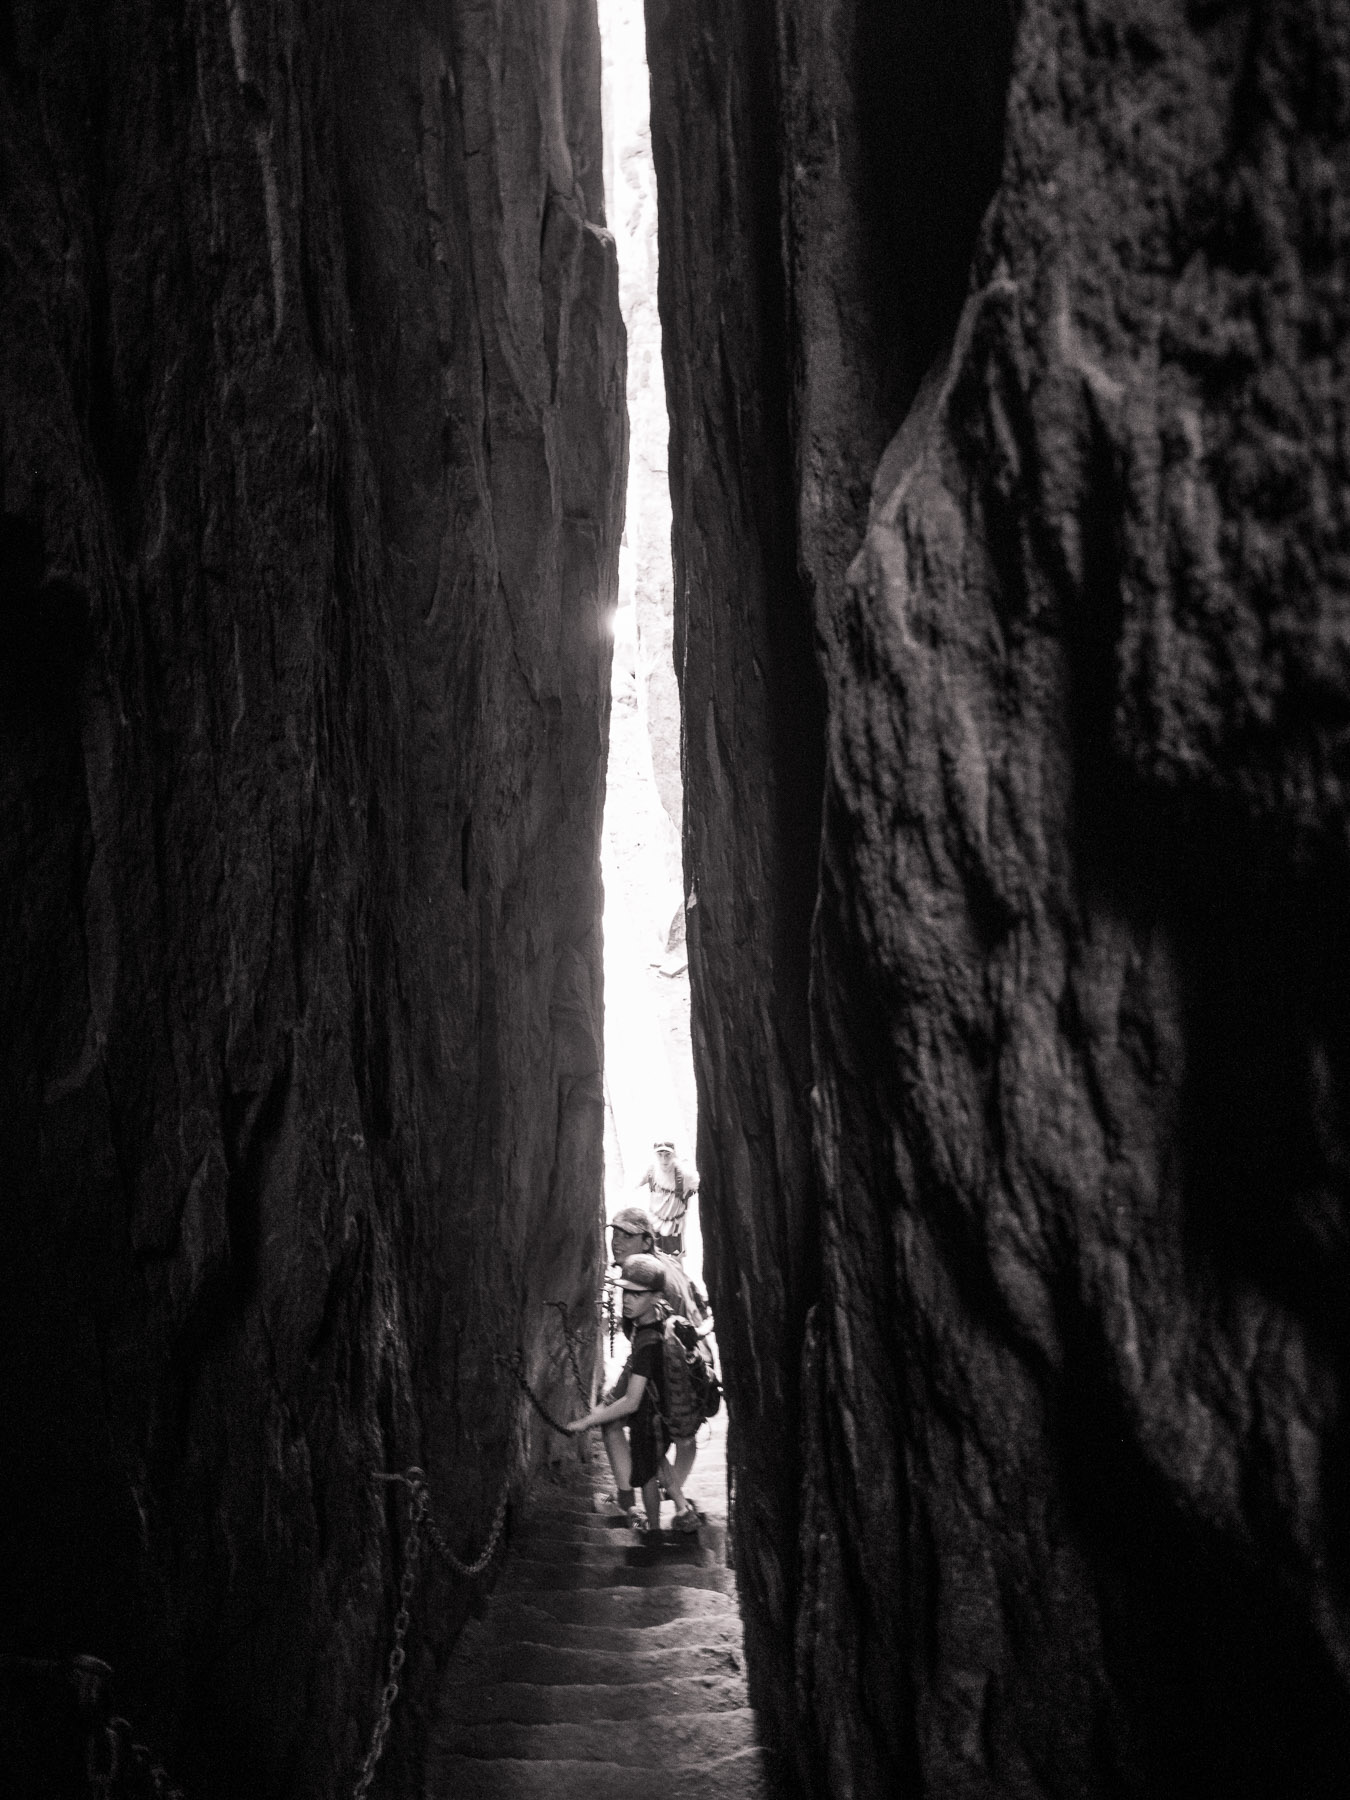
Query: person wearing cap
x,y
672,1185
642,1402
633,1233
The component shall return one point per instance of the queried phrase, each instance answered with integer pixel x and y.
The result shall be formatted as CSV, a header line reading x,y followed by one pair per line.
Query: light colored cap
x,y
642,1275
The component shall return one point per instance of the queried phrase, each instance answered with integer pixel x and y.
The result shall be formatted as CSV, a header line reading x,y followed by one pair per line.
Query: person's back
x,y
682,1296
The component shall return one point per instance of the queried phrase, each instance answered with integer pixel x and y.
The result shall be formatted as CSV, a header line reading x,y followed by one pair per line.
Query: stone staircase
x,y
605,1667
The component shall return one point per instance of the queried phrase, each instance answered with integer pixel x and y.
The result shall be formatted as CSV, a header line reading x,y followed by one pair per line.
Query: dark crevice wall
x,y
1007,361
751,701
312,456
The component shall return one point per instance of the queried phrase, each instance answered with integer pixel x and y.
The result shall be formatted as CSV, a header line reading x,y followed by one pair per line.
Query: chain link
x,y
470,1569
564,1319
514,1365
419,1493
415,1480
117,1766
421,1500
113,1759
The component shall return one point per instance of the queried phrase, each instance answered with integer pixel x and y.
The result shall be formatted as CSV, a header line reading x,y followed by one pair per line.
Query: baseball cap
x,y
642,1275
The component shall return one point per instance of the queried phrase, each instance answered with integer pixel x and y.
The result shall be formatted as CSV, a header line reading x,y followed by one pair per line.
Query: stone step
x,y
565,1665
665,1740
560,1503
737,1777
622,1605
560,1540
595,1528
656,1570
530,1702
606,1664
528,1625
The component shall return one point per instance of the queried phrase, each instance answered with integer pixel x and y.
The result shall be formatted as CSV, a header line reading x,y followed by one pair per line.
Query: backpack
x,y
693,1392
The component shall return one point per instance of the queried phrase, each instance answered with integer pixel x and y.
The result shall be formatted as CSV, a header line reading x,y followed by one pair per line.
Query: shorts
x,y
672,1246
647,1445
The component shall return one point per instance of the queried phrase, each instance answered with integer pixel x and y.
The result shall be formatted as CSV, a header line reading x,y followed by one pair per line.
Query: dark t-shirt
x,y
649,1360
647,1438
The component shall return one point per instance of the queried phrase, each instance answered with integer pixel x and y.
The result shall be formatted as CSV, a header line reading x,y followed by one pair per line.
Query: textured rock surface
x,y
752,763
311,467
1073,1482
602,1665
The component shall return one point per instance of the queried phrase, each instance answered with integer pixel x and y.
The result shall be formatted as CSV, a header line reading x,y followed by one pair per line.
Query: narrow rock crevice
x,y
1005,355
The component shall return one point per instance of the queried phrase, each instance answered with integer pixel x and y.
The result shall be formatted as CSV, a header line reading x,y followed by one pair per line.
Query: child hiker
x,y
642,1401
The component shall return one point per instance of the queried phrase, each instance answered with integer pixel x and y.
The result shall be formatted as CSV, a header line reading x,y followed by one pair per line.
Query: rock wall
x,y
312,448
1068,293
752,759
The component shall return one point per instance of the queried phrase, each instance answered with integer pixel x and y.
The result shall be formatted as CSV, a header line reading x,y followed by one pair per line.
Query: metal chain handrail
x,y
421,1501
564,1319
104,1767
114,1759
108,1751
419,1493
480,1562
515,1367
419,1490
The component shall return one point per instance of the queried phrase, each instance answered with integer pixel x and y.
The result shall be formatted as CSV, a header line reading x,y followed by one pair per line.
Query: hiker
x,y
672,1185
632,1233
641,1403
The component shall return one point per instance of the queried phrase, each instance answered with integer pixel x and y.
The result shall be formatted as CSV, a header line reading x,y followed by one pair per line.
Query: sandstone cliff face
x,y
312,445
1071,1493
752,729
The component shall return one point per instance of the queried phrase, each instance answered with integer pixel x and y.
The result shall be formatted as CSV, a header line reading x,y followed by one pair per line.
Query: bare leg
x,y
672,1485
676,1474
651,1499
685,1452
620,1458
